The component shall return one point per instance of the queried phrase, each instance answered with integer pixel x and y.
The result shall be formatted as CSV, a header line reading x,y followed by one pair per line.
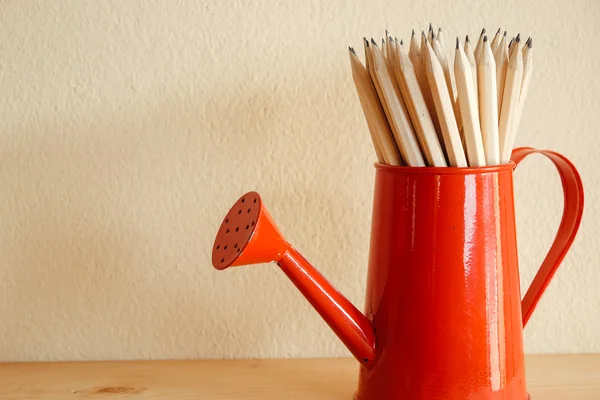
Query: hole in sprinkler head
x,y
365,359
227,220
255,200
222,259
239,212
247,226
227,231
252,223
237,229
243,200
235,246
225,248
238,250
248,211
218,246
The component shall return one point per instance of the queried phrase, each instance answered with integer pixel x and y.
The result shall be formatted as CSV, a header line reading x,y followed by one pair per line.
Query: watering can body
x,y
443,316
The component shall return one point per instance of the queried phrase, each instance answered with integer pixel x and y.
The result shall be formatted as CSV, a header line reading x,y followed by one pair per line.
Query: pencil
x,y
396,111
488,104
468,108
479,45
449,59
470,54
512,48
367,50
443,106
448,78
381,134
508,113
496,41
501,59
414,51
374,139
417,110
416,56
527,70
441,39
389,50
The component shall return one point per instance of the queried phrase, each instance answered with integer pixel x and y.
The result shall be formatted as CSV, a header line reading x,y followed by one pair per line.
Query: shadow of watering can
x,y
443,312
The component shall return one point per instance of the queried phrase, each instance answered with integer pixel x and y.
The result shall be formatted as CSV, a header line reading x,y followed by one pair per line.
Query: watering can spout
x,y
248,235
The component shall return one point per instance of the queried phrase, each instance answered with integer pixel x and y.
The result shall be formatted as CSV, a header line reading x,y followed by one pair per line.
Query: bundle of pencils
x,y
422,111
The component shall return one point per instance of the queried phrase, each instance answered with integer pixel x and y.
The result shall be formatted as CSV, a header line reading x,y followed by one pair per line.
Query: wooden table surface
x,y
564,377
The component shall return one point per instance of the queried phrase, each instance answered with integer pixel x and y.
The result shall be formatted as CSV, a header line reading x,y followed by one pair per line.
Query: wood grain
x,y
560,377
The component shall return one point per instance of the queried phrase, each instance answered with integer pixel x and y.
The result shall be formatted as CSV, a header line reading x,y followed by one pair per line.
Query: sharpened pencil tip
x,y
485,39
482,32
366,41
457,43
530,43
498,32
518,39
401,42
430,27
373,42
439,30
504,34
423,34
413,33
467,39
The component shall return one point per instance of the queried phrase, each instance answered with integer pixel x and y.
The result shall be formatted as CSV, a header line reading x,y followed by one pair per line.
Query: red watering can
x,y
443,316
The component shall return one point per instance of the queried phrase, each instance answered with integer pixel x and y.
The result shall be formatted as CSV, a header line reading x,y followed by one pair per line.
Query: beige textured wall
x,y
127,129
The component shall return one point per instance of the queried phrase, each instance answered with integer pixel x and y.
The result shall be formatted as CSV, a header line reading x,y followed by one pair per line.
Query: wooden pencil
x,y
417,109
414,51
389,51
448,72
488,104
501,59
470,54
479,45
381,134
369,65
444,109
510,44
441,38
510,100
527,71
416,56
450,60
511,47
468,108
496,41
396,112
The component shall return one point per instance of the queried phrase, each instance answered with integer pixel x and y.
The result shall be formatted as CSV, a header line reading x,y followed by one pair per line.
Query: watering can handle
x,y
569,224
